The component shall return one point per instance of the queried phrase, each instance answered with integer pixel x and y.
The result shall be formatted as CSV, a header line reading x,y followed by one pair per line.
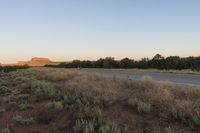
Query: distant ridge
x,y
38,61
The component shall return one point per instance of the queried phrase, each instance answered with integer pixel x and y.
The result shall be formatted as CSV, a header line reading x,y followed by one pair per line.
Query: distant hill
x,y
37,61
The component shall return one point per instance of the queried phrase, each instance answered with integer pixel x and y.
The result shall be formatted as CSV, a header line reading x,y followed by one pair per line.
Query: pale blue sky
x,y
89,29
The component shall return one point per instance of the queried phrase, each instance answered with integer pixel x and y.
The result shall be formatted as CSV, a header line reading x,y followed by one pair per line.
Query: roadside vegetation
x,y
157,62
56,100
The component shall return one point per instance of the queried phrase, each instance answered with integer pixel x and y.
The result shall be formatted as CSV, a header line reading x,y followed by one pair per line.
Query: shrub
x,y
169,130
48,113
22,120
23,97
11,98
187,118
4,91
88,114
5,130
95,126
58,106
25,106
140,106
81,100
2,111
45,93
110,128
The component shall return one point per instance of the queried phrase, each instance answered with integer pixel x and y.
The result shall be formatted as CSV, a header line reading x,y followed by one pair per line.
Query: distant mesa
x,y
37,61
40,59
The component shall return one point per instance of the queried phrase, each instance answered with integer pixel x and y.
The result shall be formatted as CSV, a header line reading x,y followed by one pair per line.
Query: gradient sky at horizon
x,y
64,30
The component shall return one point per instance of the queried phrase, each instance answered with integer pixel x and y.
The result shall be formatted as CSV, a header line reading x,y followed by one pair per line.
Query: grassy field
x,y
53,100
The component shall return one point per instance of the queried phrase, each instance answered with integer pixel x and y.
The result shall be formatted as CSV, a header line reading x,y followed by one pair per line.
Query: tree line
x,y
7,69
157,62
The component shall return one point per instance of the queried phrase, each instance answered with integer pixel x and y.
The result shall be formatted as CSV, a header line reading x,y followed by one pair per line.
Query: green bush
x,y
83,99
140,106
184,118
11,98
25,106
41,89
169,130
5,91
48,113
95,126
57,106
5,130
22,120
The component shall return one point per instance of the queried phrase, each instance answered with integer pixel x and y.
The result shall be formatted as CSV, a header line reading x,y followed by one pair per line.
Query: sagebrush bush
x,y
54,106
140,106
88,114
25,106
95,126
184,115
5,130
22,120
5,91
80,100
169,130
49,111
11,98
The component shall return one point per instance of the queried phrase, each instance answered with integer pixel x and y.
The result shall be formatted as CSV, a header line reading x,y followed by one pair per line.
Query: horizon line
x,y
12,63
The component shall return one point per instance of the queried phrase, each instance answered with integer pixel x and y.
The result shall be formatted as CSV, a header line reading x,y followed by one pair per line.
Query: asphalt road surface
x,y
179,78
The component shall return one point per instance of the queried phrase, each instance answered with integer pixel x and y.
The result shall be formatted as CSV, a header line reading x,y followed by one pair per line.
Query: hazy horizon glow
x,y
64,30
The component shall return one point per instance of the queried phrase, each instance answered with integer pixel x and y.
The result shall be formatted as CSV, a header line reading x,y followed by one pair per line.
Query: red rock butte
x,y
37,61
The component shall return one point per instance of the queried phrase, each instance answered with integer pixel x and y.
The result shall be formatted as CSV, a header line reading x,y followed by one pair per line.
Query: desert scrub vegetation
x,y
86,100
5,130
22,120
48,112
169,130
170,101
96,125
78,98
4,91
140,106
25,106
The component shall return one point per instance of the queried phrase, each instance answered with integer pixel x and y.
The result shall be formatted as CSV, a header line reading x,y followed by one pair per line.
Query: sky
x,y
63,30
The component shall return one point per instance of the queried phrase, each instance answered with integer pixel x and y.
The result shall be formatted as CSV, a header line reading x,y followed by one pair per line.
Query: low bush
x,y
5,130
48,113
140,106
22,120
169,130
5,91
82,99
11,98
95,126
25,106
57,106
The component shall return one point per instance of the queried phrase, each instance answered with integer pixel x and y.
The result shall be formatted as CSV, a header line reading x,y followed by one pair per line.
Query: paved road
x,y
179,78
